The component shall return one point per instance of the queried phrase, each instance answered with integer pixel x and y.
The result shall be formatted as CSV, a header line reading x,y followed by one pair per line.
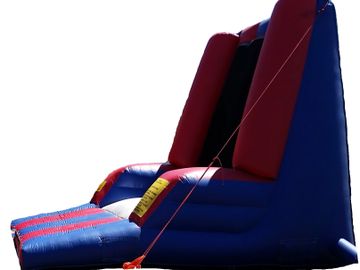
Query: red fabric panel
x,y
262,137
55,217
67,228
110,180
203,97
18,247
249,34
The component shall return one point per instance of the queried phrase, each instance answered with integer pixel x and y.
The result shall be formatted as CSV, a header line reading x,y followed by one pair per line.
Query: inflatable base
x,y
81,236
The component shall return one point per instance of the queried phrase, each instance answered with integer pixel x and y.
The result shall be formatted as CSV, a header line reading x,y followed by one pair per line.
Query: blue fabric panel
x,y
237,192
321,4
133,182
262,29
207,217
209,249
213,203
93,246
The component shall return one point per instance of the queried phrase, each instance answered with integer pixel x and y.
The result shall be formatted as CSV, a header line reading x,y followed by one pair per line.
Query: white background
x,y
89,86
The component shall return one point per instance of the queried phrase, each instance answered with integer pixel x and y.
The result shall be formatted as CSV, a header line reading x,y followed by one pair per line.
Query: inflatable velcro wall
x,y
278,195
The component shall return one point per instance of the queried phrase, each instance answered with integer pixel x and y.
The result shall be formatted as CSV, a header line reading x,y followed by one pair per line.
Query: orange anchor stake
x,y
135,264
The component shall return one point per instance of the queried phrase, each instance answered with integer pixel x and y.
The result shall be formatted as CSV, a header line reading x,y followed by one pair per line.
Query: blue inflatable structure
x,y
277,196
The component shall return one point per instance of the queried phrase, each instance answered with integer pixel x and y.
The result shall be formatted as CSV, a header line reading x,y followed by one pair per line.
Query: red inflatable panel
x,y
203,98
260,144
105,186
249,33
